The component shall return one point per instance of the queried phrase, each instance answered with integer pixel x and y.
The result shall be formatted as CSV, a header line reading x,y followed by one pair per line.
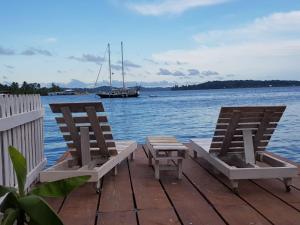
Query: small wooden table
x,y
166,148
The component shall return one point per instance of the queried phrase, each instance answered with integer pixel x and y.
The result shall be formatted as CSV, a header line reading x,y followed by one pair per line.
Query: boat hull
x,y
134,94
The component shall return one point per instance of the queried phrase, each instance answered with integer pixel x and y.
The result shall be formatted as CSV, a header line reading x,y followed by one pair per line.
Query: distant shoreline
x,y
232,84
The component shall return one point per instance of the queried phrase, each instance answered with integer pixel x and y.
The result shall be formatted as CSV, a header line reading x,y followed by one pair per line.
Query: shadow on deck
x,y
134,197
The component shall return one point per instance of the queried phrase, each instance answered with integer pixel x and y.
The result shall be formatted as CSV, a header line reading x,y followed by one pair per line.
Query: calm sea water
x,y
184,114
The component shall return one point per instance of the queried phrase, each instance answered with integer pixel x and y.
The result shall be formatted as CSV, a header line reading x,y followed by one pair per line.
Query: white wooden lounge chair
x,y
237,148
90,141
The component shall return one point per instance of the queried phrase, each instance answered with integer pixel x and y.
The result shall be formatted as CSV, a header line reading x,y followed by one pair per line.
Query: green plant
x,y
29,208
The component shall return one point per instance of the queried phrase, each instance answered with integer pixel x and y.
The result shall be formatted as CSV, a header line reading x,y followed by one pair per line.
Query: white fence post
x,y
21,125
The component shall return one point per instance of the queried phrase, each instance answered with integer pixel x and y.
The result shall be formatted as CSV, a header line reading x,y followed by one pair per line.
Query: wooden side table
x,y
166,148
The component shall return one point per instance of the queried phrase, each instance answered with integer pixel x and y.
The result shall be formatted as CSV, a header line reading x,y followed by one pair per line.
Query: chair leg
x,y
98,185
179,166
150,158
287,182
116,170
156,168
235,186
132,156
195,154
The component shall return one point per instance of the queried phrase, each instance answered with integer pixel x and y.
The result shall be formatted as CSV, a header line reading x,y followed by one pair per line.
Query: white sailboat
x,y
118,92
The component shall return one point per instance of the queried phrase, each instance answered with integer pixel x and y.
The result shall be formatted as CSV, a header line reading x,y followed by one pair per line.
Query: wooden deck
x,y
134,197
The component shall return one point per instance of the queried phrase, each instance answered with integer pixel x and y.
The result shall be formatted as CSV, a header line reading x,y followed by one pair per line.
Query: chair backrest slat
x,y
77,115
261,120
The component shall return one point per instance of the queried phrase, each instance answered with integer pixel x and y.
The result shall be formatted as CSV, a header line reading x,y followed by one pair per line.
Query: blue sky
x,y
166,41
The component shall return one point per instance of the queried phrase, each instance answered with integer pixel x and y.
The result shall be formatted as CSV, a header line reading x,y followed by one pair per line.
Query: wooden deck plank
x,y
152,203
158,216
233,209
276,187
117,218
275,210
80,206
271,207
190,205
116,193
55,203
147,191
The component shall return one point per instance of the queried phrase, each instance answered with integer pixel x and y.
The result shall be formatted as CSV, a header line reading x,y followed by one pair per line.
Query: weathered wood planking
x,y
275,210
117,218
116,193
233,209
150,197
233,120
189,203
21,127
116,202
75,107
148,191
200,198
80,206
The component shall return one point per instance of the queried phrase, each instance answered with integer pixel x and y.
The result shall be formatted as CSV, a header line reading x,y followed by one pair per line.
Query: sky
x,y
166,42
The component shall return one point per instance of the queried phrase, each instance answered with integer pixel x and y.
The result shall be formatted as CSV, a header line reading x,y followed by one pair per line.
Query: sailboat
x,y
118,92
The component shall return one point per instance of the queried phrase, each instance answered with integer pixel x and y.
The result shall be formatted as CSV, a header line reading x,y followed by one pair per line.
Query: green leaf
x,y
4,190
9,217
60,188
10,201
19,163
39,211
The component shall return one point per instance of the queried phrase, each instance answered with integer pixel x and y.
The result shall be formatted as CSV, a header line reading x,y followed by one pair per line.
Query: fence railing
x,y
21,125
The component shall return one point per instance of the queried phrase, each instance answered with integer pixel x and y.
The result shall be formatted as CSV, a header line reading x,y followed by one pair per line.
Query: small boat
x,y
65,92
118,92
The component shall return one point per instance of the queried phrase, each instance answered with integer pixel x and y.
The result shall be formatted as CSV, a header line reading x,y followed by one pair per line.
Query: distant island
x,y
238,84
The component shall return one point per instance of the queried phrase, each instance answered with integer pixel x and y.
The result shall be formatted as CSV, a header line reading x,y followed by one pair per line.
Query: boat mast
x,y
109,65
122,65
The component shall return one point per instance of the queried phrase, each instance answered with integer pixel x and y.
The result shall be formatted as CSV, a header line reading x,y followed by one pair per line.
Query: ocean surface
x,y
184,114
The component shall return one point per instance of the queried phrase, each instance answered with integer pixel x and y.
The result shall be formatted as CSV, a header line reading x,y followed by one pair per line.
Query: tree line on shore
x,y
28,88
237,84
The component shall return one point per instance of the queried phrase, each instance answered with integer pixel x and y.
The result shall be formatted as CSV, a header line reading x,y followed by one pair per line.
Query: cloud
x,y
164,72
267,48
36,51
130,64
4,77
116,67
9,67
50,40
188,73
277,26
88,58
162,7
193,72
6,51
209,73
61,71
151,61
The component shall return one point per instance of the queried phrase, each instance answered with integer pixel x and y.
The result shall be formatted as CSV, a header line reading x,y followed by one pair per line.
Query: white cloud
x,y
267,48
50,40
277,26
170,6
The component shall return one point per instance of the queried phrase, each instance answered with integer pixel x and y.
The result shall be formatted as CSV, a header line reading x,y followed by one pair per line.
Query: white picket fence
x,y
21,126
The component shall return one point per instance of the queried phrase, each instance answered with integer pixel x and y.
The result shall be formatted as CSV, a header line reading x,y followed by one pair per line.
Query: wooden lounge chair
x,y
92,148
237,148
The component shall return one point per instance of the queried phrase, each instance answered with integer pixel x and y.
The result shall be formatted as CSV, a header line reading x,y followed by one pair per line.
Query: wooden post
x,y
85,145
156,168
180,161
248,145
